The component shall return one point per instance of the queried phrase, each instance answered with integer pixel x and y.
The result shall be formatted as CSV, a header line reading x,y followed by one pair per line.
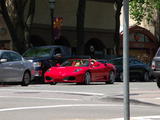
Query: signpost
x,y
125,59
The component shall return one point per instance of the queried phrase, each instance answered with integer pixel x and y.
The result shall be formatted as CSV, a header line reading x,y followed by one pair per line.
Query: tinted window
x,y
158,53
11,56
15,57
7,56
116,61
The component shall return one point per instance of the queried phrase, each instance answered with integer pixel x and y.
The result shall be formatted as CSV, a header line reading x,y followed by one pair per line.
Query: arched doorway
x,y
142,43
95,48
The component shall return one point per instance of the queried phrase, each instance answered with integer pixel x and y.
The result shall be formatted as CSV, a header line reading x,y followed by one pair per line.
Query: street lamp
x,y
52,7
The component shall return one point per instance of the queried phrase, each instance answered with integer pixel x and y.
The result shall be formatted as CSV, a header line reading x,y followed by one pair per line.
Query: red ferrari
x,y
81,71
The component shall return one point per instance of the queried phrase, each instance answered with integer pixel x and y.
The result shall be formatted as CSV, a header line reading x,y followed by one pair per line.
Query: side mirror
x,y
3,60
57,65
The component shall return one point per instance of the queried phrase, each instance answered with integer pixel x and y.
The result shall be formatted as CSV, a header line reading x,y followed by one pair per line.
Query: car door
x,y
7,71
13,68
17,66
97,71
136,67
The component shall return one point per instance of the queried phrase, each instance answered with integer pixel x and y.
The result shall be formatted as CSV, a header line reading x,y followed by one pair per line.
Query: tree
x,y
118,6
146,9
18,15
80,26
140,9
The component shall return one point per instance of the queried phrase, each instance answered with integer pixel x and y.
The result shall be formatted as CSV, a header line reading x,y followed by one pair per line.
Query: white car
x,y
14,68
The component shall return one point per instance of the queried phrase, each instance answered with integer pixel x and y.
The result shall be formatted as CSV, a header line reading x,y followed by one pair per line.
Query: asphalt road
x,y
97,101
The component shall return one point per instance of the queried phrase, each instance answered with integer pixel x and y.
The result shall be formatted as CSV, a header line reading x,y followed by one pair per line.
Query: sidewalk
x,y
140,118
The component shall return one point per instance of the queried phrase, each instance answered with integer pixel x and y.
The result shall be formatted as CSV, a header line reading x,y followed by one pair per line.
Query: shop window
x,y
146,39
139,37
131,37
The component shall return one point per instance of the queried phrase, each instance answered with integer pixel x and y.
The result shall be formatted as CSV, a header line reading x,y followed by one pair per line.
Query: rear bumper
x,y
155,74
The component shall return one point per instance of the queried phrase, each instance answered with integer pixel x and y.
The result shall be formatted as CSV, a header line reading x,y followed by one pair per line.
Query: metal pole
x,y
125,59
52,27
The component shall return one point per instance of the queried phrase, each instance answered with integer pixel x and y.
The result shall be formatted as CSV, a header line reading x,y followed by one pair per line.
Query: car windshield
x,y
76,63
38,52
116,61
158,53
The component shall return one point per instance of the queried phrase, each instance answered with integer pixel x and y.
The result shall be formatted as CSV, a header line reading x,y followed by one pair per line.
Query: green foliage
x,y
140,9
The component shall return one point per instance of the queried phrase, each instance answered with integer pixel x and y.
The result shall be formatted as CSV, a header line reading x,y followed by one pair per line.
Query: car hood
x,y
37,58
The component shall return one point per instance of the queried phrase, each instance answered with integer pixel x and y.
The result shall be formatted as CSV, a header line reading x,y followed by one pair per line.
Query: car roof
x,y
48,46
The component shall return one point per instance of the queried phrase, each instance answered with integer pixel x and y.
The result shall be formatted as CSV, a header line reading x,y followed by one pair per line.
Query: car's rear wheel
x,y
121,76
26,79
87,78
146,76
53,83
158,82
112,78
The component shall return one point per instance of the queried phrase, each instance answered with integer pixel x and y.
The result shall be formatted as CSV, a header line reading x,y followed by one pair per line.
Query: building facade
x,y
5,39
99,25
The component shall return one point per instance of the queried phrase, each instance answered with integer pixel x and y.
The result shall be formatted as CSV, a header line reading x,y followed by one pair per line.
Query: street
x,y
69,101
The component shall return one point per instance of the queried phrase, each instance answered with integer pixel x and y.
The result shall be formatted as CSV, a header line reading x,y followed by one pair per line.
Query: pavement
x,y
147,97
143,97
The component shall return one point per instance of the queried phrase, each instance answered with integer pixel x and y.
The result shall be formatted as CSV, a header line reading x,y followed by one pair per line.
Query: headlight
x,y
37,64
77,70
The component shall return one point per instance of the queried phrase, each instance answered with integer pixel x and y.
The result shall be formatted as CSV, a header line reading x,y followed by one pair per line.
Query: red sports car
x,y
81,71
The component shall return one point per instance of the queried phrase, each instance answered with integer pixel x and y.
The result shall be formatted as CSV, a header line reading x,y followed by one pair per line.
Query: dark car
x,y
137,69
44,57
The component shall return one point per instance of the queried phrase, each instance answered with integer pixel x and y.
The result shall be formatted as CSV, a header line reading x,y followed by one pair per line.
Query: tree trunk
x,y
117,26
80,26
28,23
8,21
19,25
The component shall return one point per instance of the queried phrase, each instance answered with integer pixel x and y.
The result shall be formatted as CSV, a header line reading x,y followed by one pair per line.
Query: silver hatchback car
x,y
14,68
156,67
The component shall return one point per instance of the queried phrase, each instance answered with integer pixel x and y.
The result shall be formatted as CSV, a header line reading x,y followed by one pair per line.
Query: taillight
x,y
153,66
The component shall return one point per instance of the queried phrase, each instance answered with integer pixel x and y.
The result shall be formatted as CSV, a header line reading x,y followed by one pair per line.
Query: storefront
x,y
142,43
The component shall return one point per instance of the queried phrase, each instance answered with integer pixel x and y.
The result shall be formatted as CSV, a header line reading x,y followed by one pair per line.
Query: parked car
x,y
81,71
44,57
138,70
155,66
14,68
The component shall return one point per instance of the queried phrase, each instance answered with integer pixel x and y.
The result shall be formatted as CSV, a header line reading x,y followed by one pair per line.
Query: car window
x,y
58,51
7,56
76,63
158,53
116,61
11,56
15,57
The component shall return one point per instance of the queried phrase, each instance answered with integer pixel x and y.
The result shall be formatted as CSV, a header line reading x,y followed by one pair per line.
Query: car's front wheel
x,y
112,77
53,83
26,79
87,78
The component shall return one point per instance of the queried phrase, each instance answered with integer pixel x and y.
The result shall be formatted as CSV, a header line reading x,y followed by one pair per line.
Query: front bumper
x,y
64,78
